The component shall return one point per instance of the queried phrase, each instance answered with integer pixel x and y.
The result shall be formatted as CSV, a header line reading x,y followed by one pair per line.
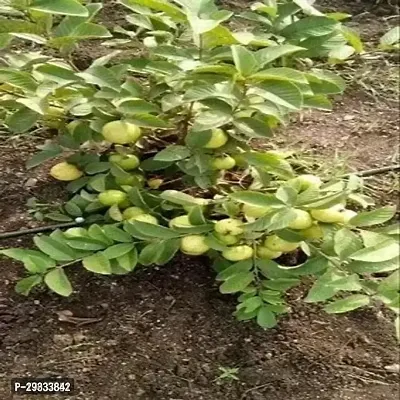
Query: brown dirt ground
x,y
162,333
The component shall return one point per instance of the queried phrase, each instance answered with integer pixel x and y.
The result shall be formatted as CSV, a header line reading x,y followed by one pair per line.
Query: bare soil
x,y
162,333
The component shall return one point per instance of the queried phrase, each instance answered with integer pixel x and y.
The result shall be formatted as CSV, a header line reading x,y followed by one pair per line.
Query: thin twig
x,y
374,171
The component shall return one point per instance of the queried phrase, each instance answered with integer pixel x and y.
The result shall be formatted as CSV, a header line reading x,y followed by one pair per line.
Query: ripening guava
x,y
127,162
132,212
218,139
225,162
180,222
313,233
266,253
145,218
65,172
347,215
275,243
329,215
252,211
112,197
121,132
229,226
307,181
238,253
227,239
194,245
303,220
154,183
132,180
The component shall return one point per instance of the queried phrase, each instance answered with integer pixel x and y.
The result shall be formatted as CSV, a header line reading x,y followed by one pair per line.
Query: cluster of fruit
x,y
125,133
229,231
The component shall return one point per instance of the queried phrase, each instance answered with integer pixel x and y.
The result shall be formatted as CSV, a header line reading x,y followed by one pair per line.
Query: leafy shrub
x,y
181,116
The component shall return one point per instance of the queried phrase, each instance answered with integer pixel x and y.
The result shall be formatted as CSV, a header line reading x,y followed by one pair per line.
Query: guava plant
x,y
158,160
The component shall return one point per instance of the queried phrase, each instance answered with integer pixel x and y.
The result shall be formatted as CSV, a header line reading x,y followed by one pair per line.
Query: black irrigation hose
x,y
22,232
41,229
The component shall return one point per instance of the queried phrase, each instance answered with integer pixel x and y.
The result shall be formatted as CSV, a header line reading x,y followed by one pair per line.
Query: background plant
x,y
182,116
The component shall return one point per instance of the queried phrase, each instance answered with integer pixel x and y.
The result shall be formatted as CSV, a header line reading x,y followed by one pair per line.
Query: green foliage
x,y
391,39
184,113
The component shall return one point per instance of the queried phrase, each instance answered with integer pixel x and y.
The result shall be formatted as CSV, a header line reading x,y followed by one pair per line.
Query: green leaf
x,y
272,270
96,232
149,121
20,254
137,106
97,167
173,153
325,82
374,217
169,249
319,102
269,54
348,304
183,199
244,60
309,26
381,252
155,231
25,285
391,283
118,250
362,267
283,73
271,163
128,261
252,127
55,249
283,93
353,38
83,243
320,292
287,195
117,234
200,25
255,198
196,216
158,5
341,53
282,284
251,304
101,76
97,263
22,120
266,318
211,119
372,238
151,253
391,37
20,79
38,264
237,283
346,243
234,269
51,151
313,266
350,283
58,282
64,7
